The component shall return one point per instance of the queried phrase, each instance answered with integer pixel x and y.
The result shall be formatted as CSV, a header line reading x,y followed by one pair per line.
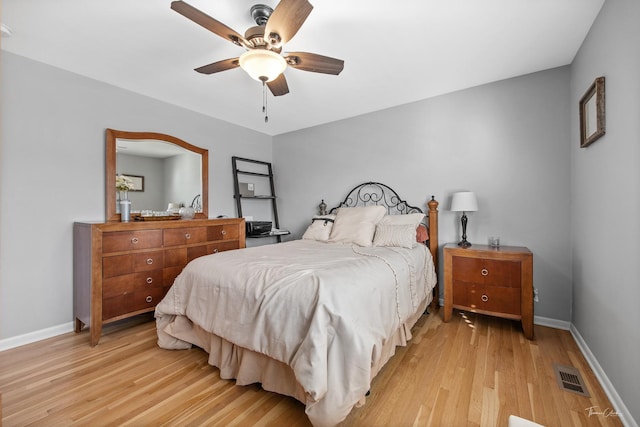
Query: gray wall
x,y
606,201
507,141
52,174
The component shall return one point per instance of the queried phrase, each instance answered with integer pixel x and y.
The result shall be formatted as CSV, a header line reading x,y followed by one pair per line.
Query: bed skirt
x,y
249,367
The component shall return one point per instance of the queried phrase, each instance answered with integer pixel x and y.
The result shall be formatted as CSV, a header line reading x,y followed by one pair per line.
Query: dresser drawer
x,y
222,232
130,283
487,271
496,299
169,275
214,248
121,305
118,241
181,256
184,236
130,263
175,257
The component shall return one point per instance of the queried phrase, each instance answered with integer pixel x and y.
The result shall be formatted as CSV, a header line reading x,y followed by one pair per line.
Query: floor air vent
x,y
569,379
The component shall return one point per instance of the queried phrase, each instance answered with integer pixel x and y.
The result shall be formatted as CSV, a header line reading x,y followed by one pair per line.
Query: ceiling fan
x,y
263,43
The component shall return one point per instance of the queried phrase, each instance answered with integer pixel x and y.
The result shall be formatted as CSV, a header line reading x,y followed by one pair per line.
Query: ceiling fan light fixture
x,y
262,65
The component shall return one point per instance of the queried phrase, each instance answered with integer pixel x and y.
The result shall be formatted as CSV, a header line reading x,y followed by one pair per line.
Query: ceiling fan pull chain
x,y
264,101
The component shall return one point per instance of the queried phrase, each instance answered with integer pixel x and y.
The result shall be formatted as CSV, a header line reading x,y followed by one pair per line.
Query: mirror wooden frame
x,y
110,188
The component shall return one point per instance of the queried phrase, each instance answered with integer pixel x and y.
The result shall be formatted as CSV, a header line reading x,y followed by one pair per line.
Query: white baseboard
x,y
619,406
31,337
552,323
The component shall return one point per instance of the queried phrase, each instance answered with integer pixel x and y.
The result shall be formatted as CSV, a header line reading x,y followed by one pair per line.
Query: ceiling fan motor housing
x,y
261,13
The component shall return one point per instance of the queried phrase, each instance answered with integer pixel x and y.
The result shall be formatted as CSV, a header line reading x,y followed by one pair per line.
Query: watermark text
x,y
607,412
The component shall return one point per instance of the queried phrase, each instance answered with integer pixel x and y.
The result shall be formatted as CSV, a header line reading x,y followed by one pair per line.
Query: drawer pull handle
x,y
223,232
215,251
134,240
484,272
149,280
149,261
485,298
187,235
149,298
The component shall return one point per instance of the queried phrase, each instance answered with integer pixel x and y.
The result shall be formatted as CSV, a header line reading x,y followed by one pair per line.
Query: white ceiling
x,y
395,52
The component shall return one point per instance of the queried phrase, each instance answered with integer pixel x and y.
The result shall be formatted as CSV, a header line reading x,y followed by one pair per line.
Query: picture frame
x,y
137,180
592,113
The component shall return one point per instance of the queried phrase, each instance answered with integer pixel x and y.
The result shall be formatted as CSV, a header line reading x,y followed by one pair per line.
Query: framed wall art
x,y
137,180
592,113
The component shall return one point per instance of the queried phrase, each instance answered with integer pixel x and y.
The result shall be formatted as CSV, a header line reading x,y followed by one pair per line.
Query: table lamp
x,y
464,201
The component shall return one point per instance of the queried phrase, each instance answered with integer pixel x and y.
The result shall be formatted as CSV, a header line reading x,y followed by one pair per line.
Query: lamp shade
x,y
464,201
262,65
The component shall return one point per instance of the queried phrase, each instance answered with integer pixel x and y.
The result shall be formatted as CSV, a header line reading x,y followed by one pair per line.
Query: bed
x,y
298,317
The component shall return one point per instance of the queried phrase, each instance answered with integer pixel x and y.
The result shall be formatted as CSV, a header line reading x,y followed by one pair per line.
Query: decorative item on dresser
x,y
125,269
490,280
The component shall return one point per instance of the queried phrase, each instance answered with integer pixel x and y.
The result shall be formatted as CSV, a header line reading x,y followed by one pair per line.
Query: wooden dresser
x,y
486,280
124,269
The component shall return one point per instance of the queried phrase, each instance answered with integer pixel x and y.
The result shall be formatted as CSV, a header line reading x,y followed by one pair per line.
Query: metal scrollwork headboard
x,y
375,193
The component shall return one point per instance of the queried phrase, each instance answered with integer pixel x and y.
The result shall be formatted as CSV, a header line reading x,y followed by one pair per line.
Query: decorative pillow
x,y
408,219
403,236
356,225
422,233
320,228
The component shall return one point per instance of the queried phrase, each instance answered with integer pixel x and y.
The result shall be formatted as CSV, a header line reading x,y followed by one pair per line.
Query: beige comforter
x,y
325,310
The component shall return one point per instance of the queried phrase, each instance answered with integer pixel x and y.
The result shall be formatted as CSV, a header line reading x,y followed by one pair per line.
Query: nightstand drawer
x,y
487,271
487,298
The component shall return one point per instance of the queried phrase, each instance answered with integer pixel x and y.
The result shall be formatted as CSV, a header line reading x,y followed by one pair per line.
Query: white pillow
x,y
403,236
356,225
320,228
409,219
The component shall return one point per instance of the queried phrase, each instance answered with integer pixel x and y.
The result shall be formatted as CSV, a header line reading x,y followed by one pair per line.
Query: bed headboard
x,y
376,193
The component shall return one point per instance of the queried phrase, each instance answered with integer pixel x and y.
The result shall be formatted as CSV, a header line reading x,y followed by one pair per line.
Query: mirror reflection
x,y
165,174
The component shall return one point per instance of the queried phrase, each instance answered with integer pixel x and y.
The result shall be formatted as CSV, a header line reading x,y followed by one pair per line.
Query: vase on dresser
x,y
125,206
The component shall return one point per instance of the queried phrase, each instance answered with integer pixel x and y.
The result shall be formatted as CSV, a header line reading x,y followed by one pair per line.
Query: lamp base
x,y
464,243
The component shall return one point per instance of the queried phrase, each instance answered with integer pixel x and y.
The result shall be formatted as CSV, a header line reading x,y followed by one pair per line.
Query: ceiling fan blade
x,y
286,20
216,67
279,86
315,63
211,24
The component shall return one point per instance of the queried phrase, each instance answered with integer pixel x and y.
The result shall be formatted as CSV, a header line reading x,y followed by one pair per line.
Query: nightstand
x,y
487,280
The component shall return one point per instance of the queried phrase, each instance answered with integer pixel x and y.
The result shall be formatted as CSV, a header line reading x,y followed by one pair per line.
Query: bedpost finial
x,y
433,204
322,208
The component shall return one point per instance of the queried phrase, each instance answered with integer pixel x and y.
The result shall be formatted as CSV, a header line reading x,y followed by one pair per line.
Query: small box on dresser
x,y
124,269
487,280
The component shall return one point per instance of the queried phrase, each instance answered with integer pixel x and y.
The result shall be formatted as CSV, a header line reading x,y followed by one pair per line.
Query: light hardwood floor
x,y
472,371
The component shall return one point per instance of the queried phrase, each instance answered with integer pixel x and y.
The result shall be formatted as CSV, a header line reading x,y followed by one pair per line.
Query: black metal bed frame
x,y
377,194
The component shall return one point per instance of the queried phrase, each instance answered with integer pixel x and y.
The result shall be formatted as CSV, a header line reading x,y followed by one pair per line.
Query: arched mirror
x,y
166,173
